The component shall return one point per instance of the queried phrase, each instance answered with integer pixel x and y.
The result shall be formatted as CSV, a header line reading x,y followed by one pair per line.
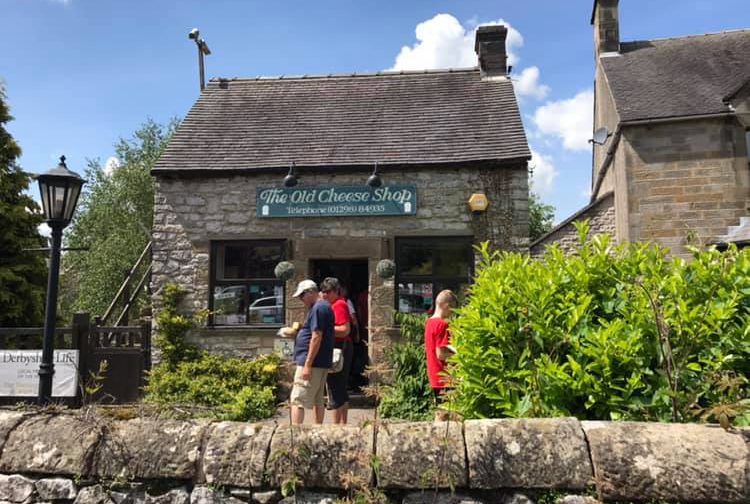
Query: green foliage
x,y
541,217
171,329
611,332
114,219
410,395
231,388
227,388
23,275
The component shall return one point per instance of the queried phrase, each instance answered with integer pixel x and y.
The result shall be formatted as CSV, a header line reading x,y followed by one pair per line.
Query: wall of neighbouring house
x,y
190,212
601,217
687,179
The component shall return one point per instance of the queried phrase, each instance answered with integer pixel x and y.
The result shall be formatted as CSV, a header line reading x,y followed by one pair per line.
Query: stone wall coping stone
x,y
421,454
527,453
684,462
623,461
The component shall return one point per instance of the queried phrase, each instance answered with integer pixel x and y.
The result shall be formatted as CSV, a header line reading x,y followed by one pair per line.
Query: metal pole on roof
x,y
202,50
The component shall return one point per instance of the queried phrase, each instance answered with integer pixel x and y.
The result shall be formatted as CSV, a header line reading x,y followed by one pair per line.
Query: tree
x,y
23,274
541,217
113,220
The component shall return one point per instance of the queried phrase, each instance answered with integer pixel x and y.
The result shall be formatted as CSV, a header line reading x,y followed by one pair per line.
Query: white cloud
x,y
44,230
111,165
527,84
543,173
442,42
570,120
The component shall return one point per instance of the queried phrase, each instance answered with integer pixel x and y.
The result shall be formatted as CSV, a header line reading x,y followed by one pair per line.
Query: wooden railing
x,y
126,293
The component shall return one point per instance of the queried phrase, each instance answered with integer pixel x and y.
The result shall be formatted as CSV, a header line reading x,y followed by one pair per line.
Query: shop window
x,y
244,288
425,266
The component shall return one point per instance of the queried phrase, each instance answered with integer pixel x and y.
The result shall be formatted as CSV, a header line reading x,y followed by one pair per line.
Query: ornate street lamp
x,y
60,189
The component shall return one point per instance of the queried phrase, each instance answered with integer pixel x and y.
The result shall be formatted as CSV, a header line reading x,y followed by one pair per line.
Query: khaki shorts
x,y
309,393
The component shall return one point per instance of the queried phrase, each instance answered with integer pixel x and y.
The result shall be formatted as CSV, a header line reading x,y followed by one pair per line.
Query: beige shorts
x,y
309,393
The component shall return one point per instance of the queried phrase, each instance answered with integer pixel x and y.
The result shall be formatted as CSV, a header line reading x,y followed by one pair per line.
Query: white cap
x,y
303,286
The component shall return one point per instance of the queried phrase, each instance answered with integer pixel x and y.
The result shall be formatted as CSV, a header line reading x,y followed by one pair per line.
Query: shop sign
x,y
336,201
19,373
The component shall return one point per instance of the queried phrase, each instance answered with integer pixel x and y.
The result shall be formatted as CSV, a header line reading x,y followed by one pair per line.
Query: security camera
x,y
194,33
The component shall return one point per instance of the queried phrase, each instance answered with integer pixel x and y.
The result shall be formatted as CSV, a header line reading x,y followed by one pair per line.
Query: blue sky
x,y
79,74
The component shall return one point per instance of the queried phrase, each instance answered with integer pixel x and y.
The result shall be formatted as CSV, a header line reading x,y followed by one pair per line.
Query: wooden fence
x,y
126,350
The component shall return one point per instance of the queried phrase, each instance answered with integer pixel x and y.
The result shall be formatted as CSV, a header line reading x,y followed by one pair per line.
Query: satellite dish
x,y
600,136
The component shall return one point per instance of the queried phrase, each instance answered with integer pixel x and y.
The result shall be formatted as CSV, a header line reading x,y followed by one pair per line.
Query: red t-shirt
x,y
436,335
341,316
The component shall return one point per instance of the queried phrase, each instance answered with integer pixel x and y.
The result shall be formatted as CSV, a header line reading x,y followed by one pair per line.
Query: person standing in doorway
x,y
338,397
437,346
313,354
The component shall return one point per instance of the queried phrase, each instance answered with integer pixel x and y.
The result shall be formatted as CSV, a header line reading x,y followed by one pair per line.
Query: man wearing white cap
x,y
313,354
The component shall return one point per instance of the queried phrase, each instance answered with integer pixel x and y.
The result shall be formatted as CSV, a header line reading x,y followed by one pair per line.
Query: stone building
x,y
674,166
224,218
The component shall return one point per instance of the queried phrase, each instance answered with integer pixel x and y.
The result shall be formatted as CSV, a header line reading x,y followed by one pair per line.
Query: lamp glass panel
x,y
70,207
58,201
44,191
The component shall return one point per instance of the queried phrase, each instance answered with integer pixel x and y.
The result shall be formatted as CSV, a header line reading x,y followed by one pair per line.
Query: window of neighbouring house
x,y
425,266
747,143
244,288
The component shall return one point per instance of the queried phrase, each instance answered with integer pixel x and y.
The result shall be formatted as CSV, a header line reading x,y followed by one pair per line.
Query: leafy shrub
x,y
226,388
232,388
610,332
410,395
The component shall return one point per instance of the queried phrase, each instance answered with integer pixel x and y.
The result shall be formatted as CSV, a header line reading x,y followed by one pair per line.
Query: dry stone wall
x,y
87,459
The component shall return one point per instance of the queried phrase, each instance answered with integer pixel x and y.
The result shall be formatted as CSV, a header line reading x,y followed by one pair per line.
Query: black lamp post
x,y
60,189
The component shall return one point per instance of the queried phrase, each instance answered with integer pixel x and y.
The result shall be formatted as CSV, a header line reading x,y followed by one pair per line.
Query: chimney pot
x,y
490,48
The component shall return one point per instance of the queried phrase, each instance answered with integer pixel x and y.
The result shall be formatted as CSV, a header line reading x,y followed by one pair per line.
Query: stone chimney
x,y
606,21
490,48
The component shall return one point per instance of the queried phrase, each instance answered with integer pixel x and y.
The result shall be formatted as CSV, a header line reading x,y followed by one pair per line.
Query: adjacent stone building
x,y
674,165
225,214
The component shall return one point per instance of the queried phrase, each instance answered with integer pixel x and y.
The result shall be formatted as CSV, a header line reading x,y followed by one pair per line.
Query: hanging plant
x,y
284,271
386,269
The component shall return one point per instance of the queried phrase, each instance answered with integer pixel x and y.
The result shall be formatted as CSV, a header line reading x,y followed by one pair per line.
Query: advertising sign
x,y
336,201
19,373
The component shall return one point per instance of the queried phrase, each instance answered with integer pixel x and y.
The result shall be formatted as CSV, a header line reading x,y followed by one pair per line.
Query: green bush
x,y
231,388
224,388
610,332
410,395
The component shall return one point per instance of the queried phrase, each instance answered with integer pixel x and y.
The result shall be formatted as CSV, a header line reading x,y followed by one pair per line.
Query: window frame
x,y
214,281
431,243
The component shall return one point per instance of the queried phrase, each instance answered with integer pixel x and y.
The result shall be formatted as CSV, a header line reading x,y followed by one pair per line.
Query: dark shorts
x,y
337,383
439,394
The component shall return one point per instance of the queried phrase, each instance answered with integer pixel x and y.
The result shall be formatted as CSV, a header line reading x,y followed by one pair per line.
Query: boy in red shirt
x,y
437,344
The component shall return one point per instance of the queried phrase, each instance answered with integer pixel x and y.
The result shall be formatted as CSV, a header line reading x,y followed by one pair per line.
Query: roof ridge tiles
x,y
683,37
380,73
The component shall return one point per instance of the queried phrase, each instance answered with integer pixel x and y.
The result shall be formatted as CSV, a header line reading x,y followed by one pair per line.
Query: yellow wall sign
x,y
478,202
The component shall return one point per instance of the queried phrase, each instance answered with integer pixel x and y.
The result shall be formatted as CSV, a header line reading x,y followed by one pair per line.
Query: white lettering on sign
x,y
19,373
336,200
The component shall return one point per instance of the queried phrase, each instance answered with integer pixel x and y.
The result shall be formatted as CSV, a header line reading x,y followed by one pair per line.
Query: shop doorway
x,y
353,275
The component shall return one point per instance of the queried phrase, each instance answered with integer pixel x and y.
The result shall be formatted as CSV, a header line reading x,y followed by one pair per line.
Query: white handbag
x,y
337,364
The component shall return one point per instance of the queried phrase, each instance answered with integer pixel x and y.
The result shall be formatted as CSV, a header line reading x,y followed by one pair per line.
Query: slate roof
x,y
403,118
678,76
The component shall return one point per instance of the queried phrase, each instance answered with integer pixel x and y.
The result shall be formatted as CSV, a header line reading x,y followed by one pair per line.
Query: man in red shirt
x,y
437,344
338,397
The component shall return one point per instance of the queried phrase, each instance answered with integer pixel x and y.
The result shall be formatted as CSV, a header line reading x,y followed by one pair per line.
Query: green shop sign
x,y
336,201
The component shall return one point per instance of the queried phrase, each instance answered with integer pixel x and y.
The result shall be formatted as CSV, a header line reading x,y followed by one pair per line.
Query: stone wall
x,y
93,459
685,179
601,217
190,212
